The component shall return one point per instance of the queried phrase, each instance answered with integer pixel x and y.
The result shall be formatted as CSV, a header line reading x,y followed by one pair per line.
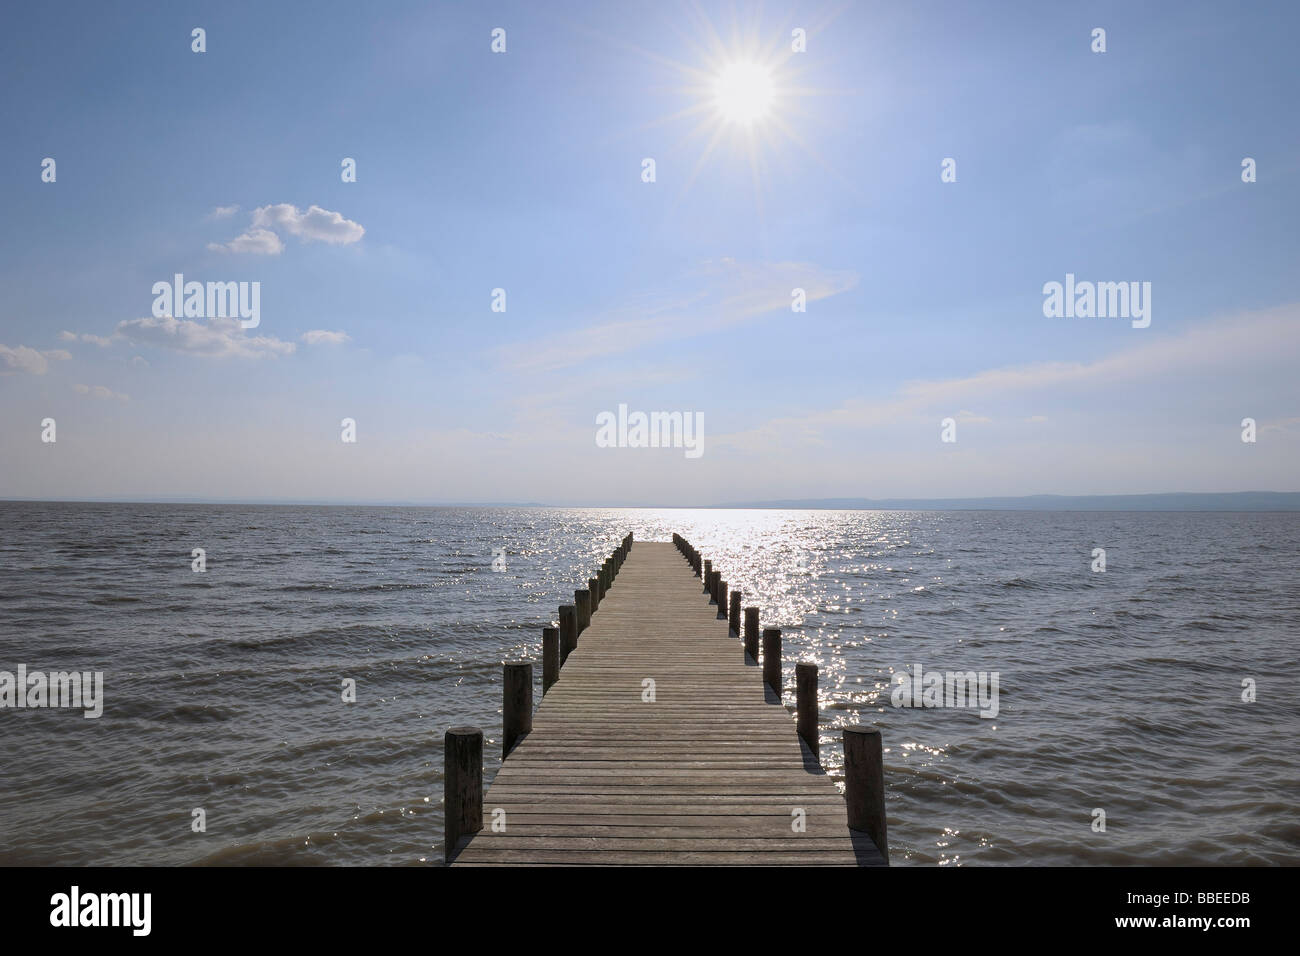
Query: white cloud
x,y
257,242
85,337
100,391
726,293
325,337
315,224
20,358
262,238
215,338
223,212
1235,343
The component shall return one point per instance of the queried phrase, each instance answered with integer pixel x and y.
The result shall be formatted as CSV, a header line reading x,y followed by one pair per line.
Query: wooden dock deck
x,y
659,744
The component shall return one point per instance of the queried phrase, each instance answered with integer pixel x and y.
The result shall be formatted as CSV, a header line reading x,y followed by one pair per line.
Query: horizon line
x,y
837,503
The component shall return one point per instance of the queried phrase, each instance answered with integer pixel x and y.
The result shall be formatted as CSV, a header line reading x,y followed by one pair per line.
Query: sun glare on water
x,y
743,92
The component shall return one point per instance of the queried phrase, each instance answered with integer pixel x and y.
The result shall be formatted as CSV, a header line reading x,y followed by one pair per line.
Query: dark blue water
x,y
1118,691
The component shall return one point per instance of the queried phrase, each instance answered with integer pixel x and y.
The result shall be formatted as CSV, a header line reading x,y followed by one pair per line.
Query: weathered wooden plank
x,y
657,746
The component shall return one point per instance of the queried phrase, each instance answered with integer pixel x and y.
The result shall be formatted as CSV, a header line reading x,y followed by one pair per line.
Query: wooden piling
x,y
772,658
568,631
707,575
805,680
864,784
550,657
734,617
516,704
751,632
462,786
696,766
582,605
593,589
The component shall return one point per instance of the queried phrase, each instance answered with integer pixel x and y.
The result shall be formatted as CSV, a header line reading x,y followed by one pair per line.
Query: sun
x,y
747,99
743,92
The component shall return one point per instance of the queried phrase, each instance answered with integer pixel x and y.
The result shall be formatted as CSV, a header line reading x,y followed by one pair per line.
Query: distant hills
x,y
1191,501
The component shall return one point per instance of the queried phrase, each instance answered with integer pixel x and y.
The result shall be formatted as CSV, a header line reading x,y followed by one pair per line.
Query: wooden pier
x,y
661,742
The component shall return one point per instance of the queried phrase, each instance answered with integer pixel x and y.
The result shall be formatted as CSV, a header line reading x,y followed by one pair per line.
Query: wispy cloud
x,y
325,337
85,337
100,392
215,338
223,212
20,358
1237,342
256,242
723,293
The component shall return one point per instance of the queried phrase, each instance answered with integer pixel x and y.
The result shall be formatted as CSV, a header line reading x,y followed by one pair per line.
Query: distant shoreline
x,y
1239,501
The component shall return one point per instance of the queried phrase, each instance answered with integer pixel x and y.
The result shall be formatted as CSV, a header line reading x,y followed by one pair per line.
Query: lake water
x,y
1118,690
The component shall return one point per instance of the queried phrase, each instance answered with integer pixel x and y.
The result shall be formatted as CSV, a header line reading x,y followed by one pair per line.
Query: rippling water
x,y
1118,690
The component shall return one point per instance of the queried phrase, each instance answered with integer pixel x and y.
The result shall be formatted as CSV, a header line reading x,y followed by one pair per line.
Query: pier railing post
x,y
864,784
805,681
516,704
751,632
582,604
772,658
568,631
550,657
462,785
734,617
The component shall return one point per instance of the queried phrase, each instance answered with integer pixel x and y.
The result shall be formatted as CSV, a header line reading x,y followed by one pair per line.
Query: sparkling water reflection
x,y
1118,690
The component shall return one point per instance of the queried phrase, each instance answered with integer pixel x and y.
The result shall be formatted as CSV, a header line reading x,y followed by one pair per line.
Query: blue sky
x,y
478,170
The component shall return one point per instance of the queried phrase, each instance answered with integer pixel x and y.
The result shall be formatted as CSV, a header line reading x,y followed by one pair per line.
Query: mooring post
x,y
751,632
734,617
772,658
864,784
582,604
516,704
722,598
805,681
462,785
708,573
550,657
593,589
568,631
